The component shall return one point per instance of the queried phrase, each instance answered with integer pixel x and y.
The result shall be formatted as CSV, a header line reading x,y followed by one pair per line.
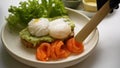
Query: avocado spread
x,y
25,34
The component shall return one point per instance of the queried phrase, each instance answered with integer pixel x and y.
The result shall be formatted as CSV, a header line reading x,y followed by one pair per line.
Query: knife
x,y
92,24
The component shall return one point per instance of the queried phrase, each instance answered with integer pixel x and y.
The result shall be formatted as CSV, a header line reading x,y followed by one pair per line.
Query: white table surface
x,y
106,54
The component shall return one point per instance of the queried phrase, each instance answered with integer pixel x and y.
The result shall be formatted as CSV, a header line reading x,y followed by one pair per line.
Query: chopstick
x,y
92,24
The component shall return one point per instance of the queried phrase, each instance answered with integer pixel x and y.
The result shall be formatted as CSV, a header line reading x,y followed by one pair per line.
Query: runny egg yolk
x,y
36,20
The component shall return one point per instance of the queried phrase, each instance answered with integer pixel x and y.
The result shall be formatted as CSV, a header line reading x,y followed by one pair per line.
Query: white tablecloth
x,y
106,55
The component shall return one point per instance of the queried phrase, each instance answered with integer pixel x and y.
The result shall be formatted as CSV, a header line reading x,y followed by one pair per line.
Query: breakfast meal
x,y
45,27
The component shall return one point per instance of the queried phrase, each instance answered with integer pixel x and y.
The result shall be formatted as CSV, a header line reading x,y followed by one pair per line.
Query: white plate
x,y
26,55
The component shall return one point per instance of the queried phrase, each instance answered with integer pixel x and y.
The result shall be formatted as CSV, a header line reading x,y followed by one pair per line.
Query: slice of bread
x,y
28,44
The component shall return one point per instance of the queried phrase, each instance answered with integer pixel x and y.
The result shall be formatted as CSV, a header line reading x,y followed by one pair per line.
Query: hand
x,y
114,4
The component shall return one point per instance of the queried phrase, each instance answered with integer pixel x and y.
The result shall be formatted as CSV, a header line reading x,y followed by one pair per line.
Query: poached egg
x,y
39,27
59,29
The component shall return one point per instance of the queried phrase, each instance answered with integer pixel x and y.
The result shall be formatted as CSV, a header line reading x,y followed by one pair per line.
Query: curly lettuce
x,y
20,16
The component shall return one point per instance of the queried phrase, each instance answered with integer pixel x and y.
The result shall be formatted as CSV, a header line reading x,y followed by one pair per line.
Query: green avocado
x,y
25,34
